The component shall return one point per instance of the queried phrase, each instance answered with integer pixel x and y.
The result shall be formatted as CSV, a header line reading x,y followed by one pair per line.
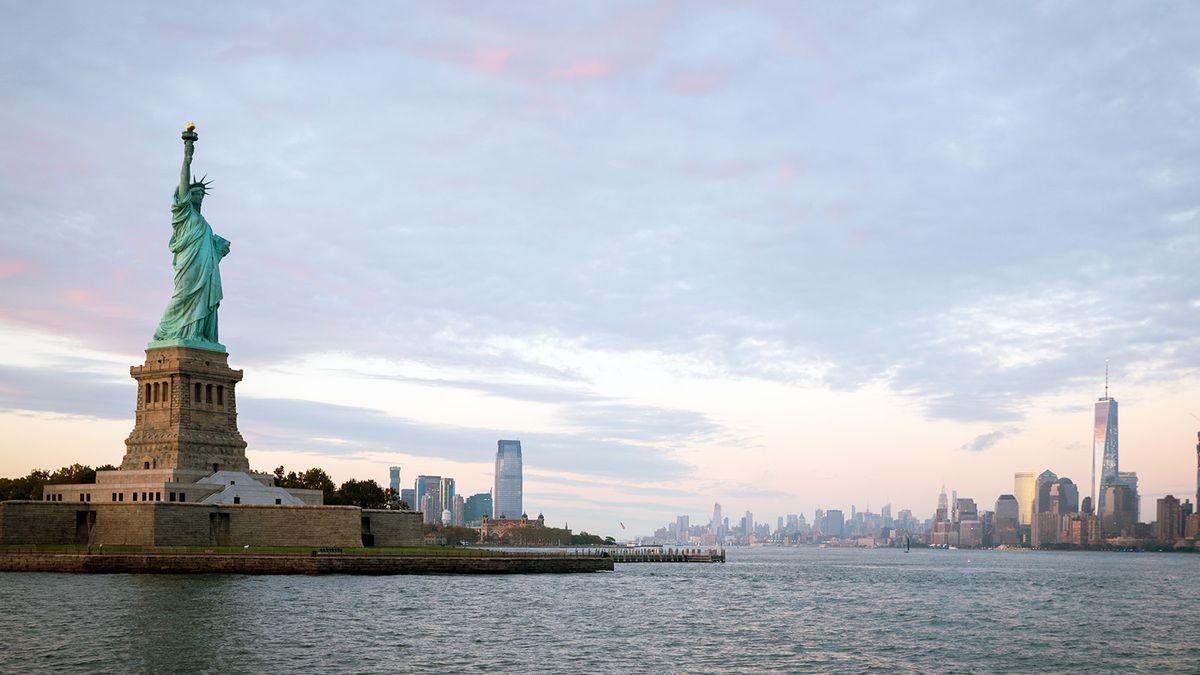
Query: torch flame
x,y
191,126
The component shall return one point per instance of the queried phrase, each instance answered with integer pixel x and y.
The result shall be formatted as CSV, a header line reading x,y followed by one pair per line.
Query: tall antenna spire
x,y
1106,379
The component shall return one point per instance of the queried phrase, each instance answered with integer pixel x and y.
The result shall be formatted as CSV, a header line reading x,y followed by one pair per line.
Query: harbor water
x,y
766,609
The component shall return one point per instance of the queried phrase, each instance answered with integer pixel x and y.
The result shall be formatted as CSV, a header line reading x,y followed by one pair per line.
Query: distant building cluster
x,y
1043,511
440,503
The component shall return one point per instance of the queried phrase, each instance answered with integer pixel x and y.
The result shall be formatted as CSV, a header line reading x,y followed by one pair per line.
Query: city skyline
x,y
780,258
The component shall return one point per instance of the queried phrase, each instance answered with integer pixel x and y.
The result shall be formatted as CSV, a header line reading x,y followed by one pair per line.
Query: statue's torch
x,y
189,134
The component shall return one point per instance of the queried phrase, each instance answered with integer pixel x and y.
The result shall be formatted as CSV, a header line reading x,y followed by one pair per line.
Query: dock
x,y
657,554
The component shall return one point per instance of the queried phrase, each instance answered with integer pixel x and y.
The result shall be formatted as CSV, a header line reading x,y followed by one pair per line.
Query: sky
x,y
781,256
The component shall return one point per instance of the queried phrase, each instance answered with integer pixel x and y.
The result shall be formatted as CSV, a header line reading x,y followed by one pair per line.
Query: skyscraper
x,y
476,507
1129,480
835,523
1041,500
682,525
508,495
458,511
431,487
1006,521
394,480
716,519
1104,445
1170,519
448,497
1198,470
943,509
1025,491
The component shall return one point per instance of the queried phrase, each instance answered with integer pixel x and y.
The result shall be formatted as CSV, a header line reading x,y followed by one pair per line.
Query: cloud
x,y
984,441
588,69
697,82
1020,233
300,426
72,392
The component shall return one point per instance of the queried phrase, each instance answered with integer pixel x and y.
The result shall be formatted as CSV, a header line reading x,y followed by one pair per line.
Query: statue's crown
x,y
202,183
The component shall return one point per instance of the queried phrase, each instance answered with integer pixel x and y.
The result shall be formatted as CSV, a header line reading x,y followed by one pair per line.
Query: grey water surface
x,y
789,610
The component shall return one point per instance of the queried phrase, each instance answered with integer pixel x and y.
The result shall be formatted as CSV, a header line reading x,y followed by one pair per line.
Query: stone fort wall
x,y
175,524
393,528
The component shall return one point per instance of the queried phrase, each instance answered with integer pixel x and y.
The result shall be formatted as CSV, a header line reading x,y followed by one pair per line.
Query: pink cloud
x,y
590,69
697,82
492,59
11,268
86,300
486,60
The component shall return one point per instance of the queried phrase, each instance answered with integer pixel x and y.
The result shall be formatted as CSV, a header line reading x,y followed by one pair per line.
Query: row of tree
x,y
366,494
30,486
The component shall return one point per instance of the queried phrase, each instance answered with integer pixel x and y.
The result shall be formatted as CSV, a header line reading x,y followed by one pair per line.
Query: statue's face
x,y
197,197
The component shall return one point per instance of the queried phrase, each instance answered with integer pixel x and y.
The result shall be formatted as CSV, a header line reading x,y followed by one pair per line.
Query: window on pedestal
x,y
220,395
208,393
196,397
237,500
146,397
154,397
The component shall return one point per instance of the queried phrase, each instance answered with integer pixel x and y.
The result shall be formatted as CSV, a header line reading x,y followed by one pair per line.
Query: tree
x,y
313,479
454,535
76,473
30,486
364,494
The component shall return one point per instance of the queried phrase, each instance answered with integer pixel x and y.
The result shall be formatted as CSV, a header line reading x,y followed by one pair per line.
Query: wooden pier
x,y
657,554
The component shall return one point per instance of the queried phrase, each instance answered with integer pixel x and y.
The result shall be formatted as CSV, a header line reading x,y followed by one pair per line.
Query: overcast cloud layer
x,y
976,205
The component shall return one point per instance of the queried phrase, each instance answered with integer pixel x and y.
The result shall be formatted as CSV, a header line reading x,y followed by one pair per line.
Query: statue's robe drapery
x,y
192,311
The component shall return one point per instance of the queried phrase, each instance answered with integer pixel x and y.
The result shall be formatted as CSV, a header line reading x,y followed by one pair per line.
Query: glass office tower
x,y
506,497
1104,446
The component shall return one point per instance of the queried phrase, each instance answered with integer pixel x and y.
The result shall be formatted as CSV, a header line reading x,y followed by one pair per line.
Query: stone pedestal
x,y
186,413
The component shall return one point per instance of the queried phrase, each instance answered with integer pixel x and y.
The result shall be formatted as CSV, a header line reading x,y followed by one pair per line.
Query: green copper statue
x,y
190,319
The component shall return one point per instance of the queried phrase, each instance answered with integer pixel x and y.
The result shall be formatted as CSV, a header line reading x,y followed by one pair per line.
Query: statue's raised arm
x,y
189,147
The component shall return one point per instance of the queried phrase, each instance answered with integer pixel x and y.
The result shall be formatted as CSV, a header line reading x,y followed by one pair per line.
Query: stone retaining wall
x,y
249,563
189,524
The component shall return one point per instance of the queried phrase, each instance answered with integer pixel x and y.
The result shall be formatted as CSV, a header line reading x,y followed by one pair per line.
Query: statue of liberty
x,y
190,319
